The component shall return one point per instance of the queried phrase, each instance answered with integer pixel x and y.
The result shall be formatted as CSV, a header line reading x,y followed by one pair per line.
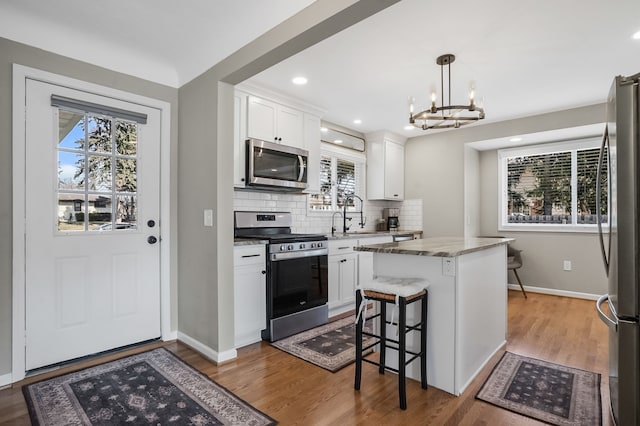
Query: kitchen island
x,y
467,316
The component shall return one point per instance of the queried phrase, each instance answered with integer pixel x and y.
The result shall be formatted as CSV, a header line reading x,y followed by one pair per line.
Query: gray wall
x,y
11,52
435,164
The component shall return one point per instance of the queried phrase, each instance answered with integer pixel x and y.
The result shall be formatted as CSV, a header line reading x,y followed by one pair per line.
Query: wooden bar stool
x,y
400,292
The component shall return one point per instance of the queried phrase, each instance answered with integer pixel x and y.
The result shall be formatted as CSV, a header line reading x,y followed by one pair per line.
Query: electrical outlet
x,y
449,266
567,265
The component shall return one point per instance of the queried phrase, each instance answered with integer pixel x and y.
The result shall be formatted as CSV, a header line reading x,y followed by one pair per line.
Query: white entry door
x,y
92,224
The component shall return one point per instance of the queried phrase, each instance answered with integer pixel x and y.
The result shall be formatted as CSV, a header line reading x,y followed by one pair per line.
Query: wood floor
x,y
294,392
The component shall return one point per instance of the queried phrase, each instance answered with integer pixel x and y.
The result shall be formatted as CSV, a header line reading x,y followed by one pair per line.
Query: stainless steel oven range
x,y
297,282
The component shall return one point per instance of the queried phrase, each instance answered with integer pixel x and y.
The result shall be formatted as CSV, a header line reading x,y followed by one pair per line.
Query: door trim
x,y
20,75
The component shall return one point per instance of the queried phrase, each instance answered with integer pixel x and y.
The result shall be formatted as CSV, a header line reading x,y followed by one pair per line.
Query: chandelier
x,y
446,116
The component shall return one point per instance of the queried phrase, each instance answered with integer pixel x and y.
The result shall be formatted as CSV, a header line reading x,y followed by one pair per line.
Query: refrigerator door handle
x,y
605,254
613,325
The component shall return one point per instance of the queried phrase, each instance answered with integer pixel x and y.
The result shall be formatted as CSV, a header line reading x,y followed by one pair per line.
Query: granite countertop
x,y
247,242
366,234
336,236
436,246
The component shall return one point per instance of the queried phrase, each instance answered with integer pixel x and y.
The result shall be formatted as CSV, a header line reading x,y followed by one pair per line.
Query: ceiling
x,y
525,58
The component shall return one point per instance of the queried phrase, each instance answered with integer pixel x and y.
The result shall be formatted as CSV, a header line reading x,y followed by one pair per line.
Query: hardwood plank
x,y
557,329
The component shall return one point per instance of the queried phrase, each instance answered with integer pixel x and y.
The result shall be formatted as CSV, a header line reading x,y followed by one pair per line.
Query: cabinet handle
x,y
264,272
343,248
250,255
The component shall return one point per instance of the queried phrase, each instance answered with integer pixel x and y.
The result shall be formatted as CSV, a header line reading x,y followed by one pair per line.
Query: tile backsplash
x,y
320,222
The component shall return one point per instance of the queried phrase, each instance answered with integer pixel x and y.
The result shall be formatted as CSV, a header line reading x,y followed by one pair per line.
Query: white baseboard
x,y
205,350
555,292
502,347
5,380
172,335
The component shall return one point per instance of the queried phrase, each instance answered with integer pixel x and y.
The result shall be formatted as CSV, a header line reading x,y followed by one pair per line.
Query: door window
x,y
97,172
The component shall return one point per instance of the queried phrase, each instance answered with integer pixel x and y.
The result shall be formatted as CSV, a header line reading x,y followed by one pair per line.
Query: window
x,y
340,175
97,171
552,187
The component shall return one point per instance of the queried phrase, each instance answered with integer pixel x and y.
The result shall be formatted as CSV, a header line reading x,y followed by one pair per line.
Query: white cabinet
x,y
312,144
239,137
250,293
269,120
343,275
385,166
273,122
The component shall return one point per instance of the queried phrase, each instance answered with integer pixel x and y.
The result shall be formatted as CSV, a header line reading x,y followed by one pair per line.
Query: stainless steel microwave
x,y
275,166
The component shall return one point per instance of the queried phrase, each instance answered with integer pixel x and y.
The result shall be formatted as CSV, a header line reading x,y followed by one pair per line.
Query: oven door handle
x,y
298,254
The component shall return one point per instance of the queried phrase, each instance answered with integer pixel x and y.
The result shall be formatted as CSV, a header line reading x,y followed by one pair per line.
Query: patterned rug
x,y
545,391
331,346
153,387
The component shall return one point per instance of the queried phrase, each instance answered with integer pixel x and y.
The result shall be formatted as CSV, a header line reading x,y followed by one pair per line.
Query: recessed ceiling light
x,y
357,121
299,81
338,141
516,139
636,36
324,129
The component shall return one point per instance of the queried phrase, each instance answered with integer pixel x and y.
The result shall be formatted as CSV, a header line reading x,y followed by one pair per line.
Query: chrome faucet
x,y
362,218
345,228
333,227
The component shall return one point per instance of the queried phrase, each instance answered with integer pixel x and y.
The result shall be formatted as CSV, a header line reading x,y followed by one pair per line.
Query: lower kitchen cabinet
x,y
250,293
343,275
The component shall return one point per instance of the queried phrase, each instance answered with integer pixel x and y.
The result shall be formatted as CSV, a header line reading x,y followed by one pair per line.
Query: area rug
x,y
331,346
553,393
153,387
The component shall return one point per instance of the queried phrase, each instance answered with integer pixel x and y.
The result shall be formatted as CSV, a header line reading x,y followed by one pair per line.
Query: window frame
x,y
335,153
572,146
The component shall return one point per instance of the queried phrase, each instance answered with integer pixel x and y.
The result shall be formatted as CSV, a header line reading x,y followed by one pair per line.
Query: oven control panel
x,y
294,250
297,246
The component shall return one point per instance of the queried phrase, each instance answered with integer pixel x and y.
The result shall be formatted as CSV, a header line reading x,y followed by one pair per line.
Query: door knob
x,y
152,240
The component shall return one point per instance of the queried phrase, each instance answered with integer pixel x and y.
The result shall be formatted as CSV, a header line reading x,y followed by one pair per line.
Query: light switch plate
x,y
208,217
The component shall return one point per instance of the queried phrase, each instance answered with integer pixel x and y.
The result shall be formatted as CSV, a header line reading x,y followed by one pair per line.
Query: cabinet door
x,y
312,144
333,264
239,137
261,119
394,171
348,278
290,126
250,307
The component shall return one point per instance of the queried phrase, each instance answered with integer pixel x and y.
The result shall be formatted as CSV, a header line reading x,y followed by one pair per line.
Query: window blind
x,y
79,105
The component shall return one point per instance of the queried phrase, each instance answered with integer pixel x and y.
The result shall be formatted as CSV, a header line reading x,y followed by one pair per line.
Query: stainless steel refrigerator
x,y
620,244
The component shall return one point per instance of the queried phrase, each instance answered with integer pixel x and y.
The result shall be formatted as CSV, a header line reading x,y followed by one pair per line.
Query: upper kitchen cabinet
x,y
239,137
274,122
385,166
312,144
262,114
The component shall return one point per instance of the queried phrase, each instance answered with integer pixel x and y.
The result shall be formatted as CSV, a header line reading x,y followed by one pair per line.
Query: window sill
x,y
585,229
